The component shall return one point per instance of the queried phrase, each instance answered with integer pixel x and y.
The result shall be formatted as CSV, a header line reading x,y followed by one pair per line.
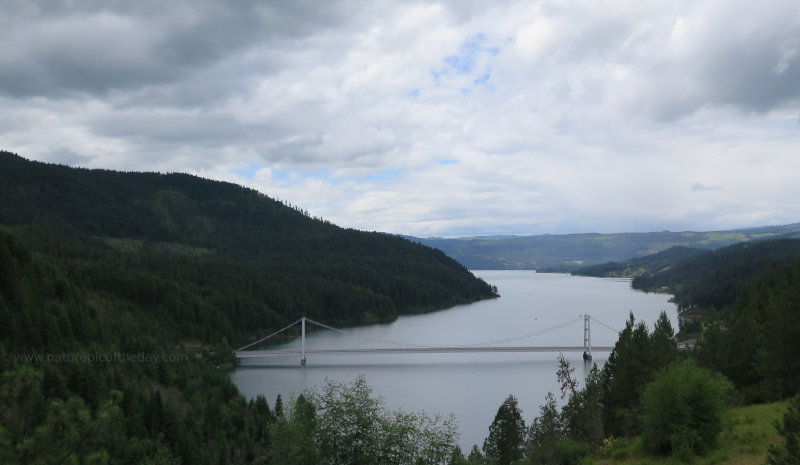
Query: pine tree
x,y
662,343
545,432
475,456
506,434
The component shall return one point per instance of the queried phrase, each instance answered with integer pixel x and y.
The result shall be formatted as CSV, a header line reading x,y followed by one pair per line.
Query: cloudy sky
x,y
427,118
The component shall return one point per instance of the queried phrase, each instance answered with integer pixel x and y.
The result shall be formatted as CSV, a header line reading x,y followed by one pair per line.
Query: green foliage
x,y
754,342
187,412
349,423
293,438
649,264
145,263
682,409
617,448
582,416
544,434
746,434
566,437
56,407
475,456
787,453
355,428
637,355
457,457
571,451
506,439
714,279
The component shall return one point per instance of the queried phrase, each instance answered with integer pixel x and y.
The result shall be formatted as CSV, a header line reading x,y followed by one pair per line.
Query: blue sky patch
x,y
248,171
471,60
466,59
383,175
483,80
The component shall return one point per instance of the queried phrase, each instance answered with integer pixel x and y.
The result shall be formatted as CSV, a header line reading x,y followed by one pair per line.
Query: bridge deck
x,y
418,350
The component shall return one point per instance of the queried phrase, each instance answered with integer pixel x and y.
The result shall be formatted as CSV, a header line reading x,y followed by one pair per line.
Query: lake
x,y
472,386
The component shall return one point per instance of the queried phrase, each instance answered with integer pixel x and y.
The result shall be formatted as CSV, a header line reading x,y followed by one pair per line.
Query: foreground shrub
x,y
788,452
682,409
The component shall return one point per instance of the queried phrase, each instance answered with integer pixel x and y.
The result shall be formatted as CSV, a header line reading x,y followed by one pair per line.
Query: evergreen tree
x,y
293,438
637,355
663,349
506,440
544,434
475,456
457,457
582,415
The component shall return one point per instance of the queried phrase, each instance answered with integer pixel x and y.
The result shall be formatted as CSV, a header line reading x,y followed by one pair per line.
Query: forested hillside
x,y
79,383
121,295
742,301
212,259
715,279
649,264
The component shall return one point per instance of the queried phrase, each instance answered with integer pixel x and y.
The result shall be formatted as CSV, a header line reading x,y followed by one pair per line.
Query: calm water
x,y
472,386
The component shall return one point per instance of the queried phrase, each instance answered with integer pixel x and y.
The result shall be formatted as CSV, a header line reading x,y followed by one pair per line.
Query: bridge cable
x,y
273,334
365,337
525,336
488,343
603,324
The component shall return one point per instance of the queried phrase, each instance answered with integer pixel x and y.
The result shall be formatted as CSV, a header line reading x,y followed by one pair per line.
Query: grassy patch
x,y
746,436
748,432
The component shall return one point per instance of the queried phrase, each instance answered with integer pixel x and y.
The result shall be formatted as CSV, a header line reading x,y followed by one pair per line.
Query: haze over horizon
x,y
444,119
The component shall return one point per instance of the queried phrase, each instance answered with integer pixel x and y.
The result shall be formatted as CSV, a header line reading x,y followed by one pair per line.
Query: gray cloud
x,y
426,118
55,51
742,54
700,187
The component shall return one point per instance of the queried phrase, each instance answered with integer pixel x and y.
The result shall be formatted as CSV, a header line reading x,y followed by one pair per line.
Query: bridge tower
x,y
303,341
587,338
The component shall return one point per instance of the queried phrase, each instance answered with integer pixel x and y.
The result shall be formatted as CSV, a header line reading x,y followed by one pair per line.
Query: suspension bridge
x,y
405,348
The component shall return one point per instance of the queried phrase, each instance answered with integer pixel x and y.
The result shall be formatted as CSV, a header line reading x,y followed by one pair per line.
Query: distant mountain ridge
x,y
569,252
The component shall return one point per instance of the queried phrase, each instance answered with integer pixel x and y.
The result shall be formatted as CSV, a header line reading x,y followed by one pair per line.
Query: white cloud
x,y
429,119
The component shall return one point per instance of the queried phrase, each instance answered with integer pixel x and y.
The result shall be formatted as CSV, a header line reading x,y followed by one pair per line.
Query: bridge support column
x,y
587,338
303,341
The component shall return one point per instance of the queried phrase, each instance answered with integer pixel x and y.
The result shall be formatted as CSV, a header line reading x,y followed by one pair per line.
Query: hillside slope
x,y
653,263
714,279
213,259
